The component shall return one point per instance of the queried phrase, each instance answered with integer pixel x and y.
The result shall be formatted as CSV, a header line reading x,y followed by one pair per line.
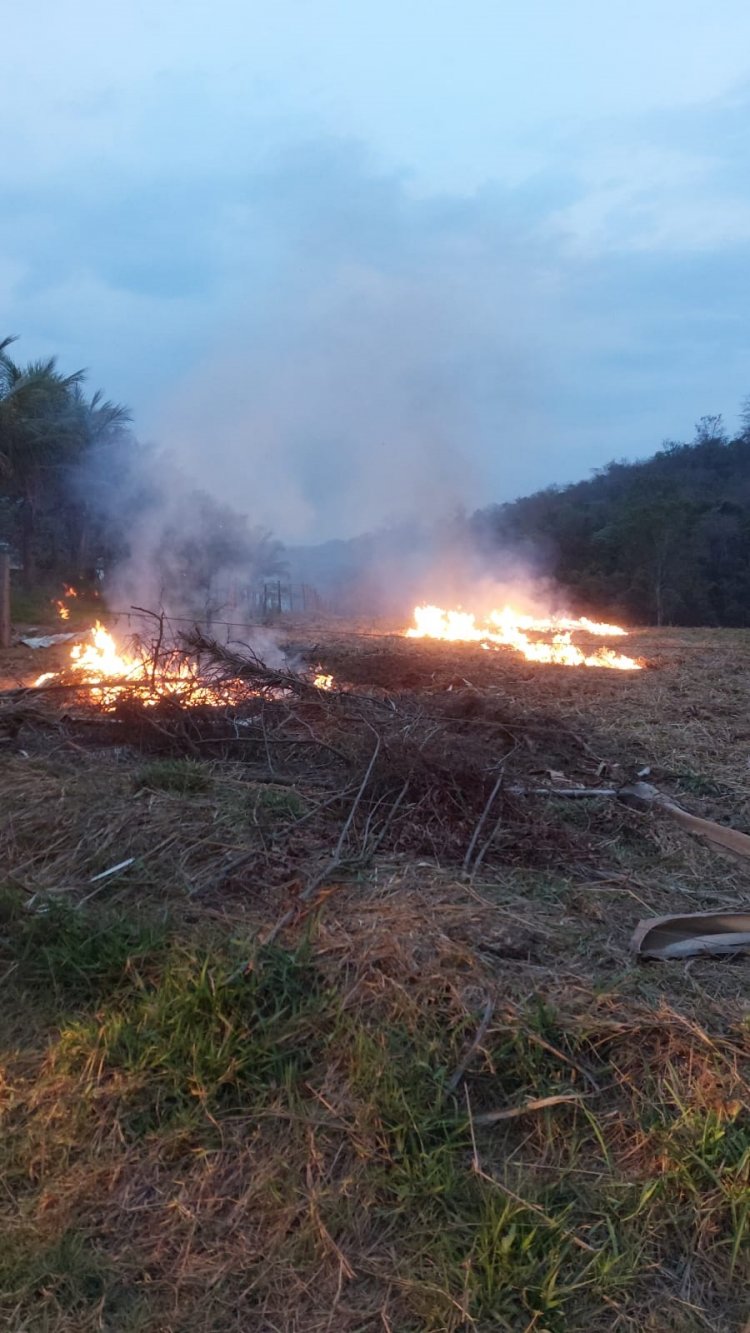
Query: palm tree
x,y
46,424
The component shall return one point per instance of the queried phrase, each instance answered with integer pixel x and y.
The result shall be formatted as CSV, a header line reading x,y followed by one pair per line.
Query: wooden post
x,y
4,599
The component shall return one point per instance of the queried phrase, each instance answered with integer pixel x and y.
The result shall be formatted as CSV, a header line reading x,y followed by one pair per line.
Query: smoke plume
x,y
370,346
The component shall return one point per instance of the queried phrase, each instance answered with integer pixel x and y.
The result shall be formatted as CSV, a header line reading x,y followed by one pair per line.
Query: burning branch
x,y
246,666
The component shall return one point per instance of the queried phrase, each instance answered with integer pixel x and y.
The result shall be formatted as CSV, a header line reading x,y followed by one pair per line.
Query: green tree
x,y
665,540
46,425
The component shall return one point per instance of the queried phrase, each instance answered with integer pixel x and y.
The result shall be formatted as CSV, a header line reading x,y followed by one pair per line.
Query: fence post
x,y
4,599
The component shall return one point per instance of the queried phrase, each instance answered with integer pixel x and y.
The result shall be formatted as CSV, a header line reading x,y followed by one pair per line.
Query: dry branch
x,y
406,774
526,1108
245,666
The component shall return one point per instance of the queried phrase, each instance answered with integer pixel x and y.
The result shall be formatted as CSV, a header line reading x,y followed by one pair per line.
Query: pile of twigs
x,y
394,772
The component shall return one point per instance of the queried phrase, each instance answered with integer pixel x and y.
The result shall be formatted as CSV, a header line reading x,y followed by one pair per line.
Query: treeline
x,y
49,427
79,495
665,541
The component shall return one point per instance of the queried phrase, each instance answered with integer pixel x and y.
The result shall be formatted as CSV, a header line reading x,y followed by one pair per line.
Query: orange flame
x,y
100,660
60,603
111,673
45,677
511,629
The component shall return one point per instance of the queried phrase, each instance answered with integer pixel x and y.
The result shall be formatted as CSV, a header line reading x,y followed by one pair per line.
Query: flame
x,y
511,629
100,660
60,603
110,673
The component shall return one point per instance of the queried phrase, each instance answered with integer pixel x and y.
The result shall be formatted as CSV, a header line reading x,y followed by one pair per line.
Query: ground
x,y
355,1040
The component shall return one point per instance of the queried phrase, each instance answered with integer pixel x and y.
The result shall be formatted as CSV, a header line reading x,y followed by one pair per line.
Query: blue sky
x,y
354,260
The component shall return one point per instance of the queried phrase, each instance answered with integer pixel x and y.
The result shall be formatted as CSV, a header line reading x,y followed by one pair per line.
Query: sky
x,y
349,261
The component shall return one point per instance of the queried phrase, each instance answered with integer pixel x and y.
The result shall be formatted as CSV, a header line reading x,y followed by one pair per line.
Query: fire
x,y
512,629
109,673
99,660
61,603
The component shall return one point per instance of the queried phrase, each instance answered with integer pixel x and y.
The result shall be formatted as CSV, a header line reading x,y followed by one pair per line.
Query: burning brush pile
x,y
402,769
150,674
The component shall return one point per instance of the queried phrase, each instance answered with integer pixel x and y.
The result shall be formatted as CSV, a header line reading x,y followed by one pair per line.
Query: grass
x,y
178,1093
183,776
30,607
277,803
191,1144
699,784
36,606
67,1274
68,957
195,1040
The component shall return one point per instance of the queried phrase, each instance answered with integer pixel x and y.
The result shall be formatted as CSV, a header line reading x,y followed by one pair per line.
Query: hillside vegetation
x,y
664,541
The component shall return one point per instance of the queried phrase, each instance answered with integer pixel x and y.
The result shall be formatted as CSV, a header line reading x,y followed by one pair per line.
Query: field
x,y
353,1039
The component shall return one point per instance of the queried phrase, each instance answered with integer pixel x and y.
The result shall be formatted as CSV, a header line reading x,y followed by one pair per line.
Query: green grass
x,y
197,1040
68,1269
183,776
68,956
30,607
37,608
204,1085
271,804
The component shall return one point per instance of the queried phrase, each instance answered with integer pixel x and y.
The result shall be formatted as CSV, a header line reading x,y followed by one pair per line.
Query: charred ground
x,y
284,1069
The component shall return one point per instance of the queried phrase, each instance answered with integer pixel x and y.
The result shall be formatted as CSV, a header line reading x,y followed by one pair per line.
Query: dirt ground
x,y
477,943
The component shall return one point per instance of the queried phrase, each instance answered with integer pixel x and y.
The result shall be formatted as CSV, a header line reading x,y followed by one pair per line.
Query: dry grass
x,y
190,1143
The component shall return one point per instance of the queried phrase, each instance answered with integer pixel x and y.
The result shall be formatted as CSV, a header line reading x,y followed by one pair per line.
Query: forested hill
x,y
665,541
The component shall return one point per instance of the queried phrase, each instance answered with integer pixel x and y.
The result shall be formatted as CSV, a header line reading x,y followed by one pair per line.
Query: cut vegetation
x,y
353,1039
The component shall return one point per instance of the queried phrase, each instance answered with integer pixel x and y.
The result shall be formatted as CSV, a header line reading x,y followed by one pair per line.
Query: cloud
x,y
667,182
330,344
382,354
